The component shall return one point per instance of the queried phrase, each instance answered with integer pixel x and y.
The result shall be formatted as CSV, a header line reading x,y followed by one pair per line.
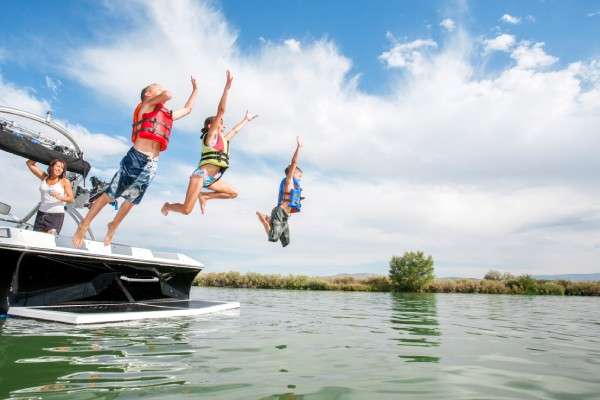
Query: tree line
x,y
412,272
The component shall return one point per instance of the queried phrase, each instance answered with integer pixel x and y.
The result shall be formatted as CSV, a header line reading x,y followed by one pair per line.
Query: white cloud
x,y
24,98
480,172
409,55
590,72
292,44
502,42
593,14
188,45
510,19
53,84
532,55
448,24
99,148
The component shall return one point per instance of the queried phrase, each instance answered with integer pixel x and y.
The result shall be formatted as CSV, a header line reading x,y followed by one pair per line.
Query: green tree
x,y
412,272
493,276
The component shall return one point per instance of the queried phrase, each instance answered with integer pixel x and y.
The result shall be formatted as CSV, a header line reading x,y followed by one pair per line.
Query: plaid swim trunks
x,y
279,226
133,177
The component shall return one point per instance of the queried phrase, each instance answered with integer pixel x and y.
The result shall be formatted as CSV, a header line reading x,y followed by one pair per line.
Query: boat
x,y
43,276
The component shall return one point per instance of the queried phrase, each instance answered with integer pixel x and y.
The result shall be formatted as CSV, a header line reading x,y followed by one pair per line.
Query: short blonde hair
x,y
144,90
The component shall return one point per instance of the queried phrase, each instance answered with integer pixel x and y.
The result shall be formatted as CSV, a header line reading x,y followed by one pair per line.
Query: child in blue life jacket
x,y
288,202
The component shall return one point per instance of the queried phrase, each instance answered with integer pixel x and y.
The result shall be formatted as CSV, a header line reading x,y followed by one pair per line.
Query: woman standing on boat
x,y
56,192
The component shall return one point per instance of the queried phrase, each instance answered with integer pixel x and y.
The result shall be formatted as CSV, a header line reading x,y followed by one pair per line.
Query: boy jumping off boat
x,y
152,123
214,161
288,202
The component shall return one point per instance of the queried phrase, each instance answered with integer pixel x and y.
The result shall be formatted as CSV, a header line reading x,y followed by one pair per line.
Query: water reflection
x,y
329,393
414,317
73,359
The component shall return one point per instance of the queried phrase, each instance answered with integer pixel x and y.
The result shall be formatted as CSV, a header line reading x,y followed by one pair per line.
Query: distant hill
x,y
565,277
569,277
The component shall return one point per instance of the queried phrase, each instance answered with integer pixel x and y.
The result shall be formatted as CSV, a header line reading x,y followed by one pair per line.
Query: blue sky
x,y
44,29
481,116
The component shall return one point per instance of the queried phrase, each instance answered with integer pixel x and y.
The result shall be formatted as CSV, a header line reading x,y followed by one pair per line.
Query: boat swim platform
x,y
94,313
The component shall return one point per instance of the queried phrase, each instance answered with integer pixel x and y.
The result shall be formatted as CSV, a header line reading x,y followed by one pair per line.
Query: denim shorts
x,y
133,177
207,179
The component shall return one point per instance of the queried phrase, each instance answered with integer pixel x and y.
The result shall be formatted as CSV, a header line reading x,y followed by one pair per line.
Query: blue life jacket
x,y
294,197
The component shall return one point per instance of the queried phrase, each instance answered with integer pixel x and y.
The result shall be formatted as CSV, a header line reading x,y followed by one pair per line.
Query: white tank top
x,y
51,204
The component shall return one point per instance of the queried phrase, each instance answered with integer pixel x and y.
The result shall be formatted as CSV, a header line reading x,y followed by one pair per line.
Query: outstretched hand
x,y
194,84
229,80
299,141
249,117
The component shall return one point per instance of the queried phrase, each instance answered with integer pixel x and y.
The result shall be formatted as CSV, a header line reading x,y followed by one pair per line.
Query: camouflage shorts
x,y
133,177
279,226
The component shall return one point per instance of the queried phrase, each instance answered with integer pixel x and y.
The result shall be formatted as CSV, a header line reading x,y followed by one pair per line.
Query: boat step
x,y
117,312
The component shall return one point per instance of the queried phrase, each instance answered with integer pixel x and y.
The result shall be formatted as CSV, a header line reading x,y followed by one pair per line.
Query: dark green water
x,y
319,345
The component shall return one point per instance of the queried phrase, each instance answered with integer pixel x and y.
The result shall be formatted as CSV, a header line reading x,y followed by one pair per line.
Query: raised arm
x,y
293,163
247,118
35,169
223,101
189,104
210,136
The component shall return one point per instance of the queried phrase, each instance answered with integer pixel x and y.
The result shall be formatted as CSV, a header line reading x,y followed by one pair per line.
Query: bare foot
x,y
264,221
78,236
164,210
109,234
202,201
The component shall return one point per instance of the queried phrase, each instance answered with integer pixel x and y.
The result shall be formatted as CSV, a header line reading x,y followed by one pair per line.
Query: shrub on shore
x,y
252,280
581,288
498,276
511,285
412,272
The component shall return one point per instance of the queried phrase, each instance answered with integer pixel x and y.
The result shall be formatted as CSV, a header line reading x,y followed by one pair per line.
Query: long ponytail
x,y
207,122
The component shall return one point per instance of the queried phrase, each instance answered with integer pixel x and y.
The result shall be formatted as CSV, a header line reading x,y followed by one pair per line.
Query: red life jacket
x,y
154,125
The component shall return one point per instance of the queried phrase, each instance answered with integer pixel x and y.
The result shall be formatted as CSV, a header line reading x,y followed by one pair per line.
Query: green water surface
x,y
318,345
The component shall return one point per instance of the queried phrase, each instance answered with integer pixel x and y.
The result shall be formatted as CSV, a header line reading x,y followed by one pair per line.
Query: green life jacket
x,y
216,155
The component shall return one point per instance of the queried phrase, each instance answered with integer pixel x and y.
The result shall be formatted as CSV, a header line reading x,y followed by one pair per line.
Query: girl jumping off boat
x,y
213,163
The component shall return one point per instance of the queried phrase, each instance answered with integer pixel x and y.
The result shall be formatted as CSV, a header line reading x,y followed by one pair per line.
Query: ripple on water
x,y
318,345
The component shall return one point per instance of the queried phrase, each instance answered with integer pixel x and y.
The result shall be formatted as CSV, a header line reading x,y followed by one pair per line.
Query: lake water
x,y
318,345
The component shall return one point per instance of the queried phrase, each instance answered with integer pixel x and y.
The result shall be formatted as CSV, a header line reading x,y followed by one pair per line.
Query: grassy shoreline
x,y
514,285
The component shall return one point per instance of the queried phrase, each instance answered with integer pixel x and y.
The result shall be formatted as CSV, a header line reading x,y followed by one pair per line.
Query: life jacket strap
x,y
153,121
155,131
215,155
